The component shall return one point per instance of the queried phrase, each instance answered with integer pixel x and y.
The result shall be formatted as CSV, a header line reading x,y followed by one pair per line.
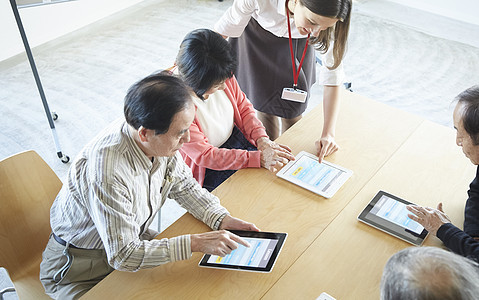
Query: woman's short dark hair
x,y
153,101
205,59
470,114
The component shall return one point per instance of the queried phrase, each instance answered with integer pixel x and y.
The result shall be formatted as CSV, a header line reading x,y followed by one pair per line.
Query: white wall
x,y
47,22
463,10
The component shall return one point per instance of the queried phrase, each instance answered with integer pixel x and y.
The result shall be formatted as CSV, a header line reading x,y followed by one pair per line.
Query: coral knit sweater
x,y
199,154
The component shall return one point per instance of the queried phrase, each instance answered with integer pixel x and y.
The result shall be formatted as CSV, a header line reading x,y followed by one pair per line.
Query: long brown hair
x,y
338,9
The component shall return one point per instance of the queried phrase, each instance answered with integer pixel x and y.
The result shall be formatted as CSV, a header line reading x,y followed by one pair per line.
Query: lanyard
x,y
295,73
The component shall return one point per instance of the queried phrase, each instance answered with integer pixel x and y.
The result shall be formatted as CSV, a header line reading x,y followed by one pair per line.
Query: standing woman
x,y
266,35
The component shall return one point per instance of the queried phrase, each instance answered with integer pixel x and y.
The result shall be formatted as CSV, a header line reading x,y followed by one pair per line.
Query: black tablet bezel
x,y
279,236
391,228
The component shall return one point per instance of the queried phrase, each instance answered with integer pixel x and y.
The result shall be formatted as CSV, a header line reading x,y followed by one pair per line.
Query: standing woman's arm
x,y
236,18
332,42
332,80
326,145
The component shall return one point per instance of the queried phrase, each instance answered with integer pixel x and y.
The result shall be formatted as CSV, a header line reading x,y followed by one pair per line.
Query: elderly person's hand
x,y
273,155
222,242
429,218
233,223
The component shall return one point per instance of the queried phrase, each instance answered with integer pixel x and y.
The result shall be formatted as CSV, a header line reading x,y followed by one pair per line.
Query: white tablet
x,y
388,213
259,257
323,178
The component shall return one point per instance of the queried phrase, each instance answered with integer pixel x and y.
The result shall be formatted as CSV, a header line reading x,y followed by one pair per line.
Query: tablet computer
x,y
324,178
259,257
388,213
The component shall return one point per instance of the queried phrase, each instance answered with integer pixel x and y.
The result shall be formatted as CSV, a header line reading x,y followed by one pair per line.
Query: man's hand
x,y
273,156
233,223
222,242
429,218
219,243
326,146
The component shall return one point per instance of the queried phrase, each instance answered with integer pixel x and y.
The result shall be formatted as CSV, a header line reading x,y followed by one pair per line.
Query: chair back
x,y
28,187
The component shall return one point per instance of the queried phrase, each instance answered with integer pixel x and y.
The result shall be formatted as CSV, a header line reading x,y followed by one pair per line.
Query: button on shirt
x,y
112,193
271,15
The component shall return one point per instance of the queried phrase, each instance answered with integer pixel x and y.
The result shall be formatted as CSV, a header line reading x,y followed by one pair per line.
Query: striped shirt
x,y
112,194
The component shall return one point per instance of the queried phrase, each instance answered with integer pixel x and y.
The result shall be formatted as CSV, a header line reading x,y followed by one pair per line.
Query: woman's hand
x,y
326,146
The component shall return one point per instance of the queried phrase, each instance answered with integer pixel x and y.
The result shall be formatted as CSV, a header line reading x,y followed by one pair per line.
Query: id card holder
x,y
296,95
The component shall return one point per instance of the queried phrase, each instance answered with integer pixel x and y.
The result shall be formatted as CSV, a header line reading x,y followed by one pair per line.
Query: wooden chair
x,y
28,187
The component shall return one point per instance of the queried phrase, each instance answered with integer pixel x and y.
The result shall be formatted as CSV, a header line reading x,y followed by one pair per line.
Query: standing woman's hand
x,y
325,146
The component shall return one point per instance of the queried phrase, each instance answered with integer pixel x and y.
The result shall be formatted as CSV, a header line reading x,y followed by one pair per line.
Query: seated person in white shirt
x,y
100,219
226,135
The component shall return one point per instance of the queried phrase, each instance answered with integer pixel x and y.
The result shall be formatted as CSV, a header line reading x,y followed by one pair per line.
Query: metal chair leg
x,y
64,158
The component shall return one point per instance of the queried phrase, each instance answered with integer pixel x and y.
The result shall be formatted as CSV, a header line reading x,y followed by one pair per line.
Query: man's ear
x,y
143,134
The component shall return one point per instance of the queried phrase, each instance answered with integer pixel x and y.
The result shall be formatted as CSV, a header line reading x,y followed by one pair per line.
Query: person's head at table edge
x,y
466,123
159,111
205,61
426,273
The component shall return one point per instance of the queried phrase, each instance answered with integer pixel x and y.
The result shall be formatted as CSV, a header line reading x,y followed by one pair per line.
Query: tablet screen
x,y
322,178
260,256
257,255
395,212
388,213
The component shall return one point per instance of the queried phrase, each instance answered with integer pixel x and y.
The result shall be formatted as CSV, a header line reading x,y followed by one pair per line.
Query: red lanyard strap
x,y
295,73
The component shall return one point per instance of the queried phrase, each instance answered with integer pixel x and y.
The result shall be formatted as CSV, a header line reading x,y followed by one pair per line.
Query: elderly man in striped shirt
x,y
115,186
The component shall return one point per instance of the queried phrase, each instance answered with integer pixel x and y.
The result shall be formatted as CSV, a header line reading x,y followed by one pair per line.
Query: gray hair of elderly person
x,y
470,115
424,273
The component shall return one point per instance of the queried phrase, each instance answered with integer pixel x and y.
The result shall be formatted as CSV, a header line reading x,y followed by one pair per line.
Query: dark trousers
x,y
213,178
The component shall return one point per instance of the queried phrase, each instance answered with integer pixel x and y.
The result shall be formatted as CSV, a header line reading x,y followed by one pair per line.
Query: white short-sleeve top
x,y
216,117
271,15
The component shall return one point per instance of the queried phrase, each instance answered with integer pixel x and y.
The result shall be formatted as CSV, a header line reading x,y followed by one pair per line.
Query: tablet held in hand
x,y
259,257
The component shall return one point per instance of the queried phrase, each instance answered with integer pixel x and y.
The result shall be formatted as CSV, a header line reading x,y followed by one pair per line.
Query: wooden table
x,y
383,146
347,259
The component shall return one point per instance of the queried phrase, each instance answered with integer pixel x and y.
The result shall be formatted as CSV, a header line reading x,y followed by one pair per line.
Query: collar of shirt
x,y
281,10
139,155
281,7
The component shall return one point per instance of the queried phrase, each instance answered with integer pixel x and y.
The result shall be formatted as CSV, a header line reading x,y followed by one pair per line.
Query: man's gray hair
x,y
470,114
429,273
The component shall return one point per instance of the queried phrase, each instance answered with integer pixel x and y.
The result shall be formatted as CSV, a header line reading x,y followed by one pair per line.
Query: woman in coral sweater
x,y
225,135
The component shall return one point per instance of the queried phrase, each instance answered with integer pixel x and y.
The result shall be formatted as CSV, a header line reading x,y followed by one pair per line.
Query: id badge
x,y
292,94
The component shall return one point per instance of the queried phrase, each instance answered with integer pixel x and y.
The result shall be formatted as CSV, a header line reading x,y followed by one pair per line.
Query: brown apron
x,y
264,69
